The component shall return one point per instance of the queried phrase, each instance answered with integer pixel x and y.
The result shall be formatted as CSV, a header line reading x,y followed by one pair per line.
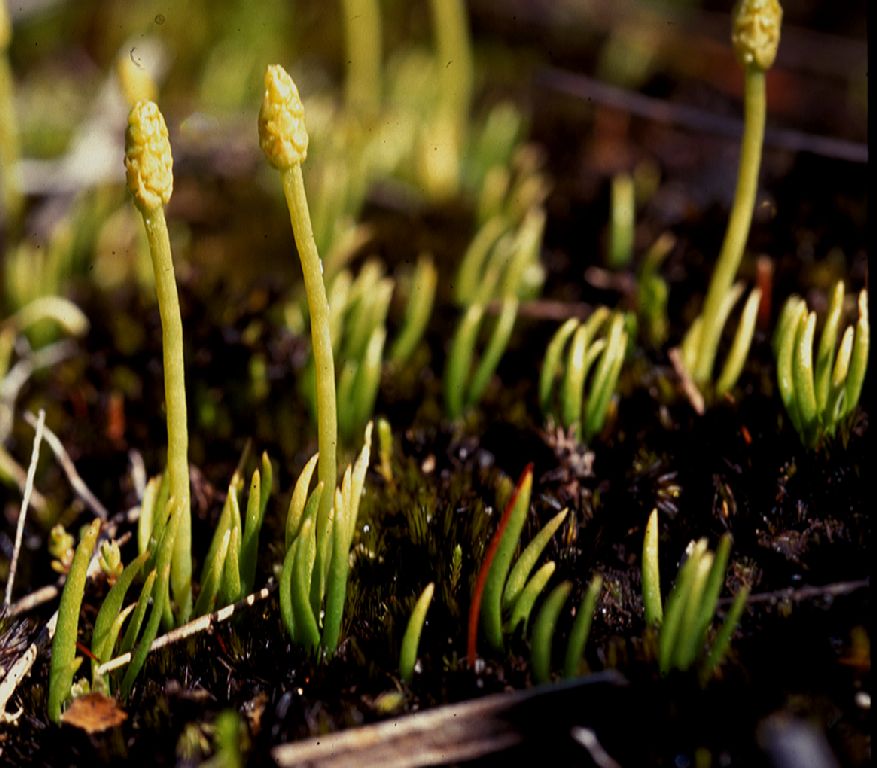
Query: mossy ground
x,y
799,518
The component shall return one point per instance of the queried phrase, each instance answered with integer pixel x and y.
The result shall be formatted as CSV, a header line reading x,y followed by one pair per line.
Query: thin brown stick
x,y
196,626
25,503
76,482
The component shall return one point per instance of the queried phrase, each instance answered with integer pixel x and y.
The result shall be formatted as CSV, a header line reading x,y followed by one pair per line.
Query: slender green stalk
x,y
318,307
149,167
543,631
411,638
755,37
284,140
64,641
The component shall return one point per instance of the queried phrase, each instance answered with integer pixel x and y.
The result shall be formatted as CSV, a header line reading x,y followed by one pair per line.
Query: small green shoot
x,y
599,344
819,395
411,638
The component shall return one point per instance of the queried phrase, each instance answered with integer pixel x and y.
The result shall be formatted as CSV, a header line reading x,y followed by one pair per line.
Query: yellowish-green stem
x,y
318,308
175,404
738,224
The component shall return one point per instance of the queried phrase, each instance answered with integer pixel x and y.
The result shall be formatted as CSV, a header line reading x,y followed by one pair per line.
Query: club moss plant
x,y
601,340
684,622
64,642
545,628
501,589
819,394
284,140
755,37
313,579
149,166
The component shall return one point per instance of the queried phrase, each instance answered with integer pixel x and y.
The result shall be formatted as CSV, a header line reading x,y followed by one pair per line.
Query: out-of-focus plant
x,y
149,167
10,188
622,217
362,28
652,292
358,308
601,340
819,394
684,623
755,36
499,265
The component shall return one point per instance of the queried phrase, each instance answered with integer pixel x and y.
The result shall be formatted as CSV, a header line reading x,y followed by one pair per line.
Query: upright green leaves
x,y
64,641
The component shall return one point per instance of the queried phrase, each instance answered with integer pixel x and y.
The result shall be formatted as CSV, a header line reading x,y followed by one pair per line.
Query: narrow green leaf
x,y
859,362
578,636
491,604
64,641
460,356
133,629
543,631
523,606
825,353
651,574
497,344
802,372
527,560
411,638
740,346
551,363
111,607
297,502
